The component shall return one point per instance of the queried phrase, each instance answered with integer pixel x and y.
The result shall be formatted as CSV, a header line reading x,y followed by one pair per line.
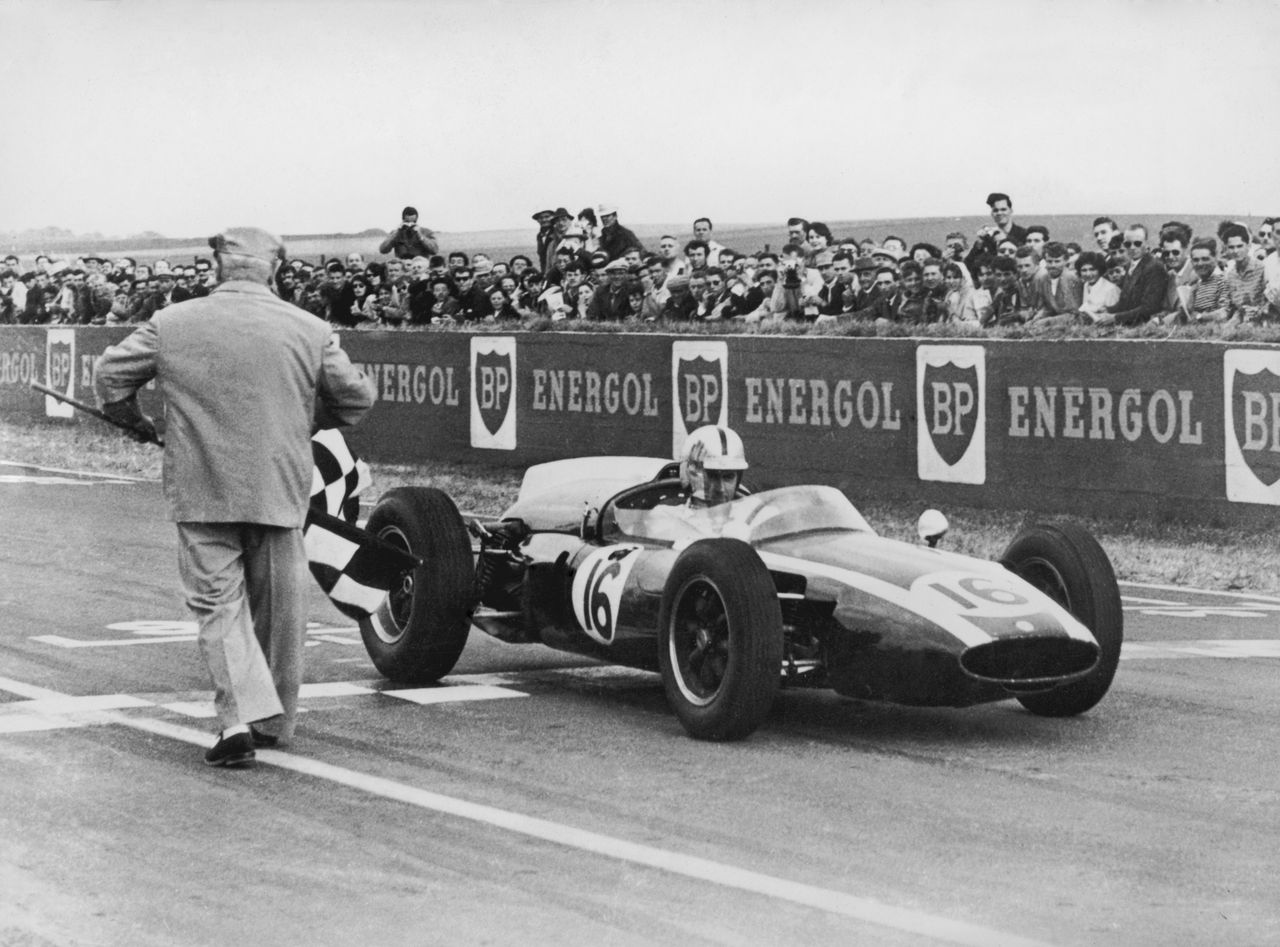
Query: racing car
x,y
604,557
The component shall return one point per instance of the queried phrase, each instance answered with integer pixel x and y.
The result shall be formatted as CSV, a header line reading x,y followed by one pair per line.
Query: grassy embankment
x,y
1238,557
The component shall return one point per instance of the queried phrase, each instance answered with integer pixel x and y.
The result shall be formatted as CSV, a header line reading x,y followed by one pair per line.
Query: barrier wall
x,y
1182,429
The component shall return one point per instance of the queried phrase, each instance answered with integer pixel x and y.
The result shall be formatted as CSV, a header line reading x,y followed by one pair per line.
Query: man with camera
x,y
409,240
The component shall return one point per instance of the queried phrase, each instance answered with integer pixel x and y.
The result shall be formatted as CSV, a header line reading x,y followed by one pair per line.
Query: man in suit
x,y
987,240
1145,283
1058,292
244,377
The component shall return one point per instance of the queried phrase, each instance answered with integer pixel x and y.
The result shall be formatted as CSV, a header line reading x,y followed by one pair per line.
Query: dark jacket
x,y
1143,293
617,240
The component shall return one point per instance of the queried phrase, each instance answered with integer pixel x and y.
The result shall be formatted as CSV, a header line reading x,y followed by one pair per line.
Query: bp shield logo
x,y
59,363
493,392
699,388
1251,389
951,413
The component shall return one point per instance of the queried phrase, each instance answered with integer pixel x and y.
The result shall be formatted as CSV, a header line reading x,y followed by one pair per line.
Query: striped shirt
x,y
1245,288
1207,296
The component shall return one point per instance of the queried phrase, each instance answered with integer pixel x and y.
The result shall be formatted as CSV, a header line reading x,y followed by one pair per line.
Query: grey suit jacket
x,y
1068,298
242,374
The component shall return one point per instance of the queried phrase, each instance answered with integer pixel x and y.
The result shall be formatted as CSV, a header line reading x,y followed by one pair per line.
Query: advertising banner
x,y
1185,429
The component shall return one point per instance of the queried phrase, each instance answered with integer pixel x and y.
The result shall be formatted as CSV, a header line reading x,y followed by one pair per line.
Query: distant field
x,y
748,238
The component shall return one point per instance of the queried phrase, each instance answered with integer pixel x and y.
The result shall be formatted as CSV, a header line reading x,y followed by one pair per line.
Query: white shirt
x,y
1099,299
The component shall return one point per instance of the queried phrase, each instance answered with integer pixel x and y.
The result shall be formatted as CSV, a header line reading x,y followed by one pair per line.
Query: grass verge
x,y
1224,558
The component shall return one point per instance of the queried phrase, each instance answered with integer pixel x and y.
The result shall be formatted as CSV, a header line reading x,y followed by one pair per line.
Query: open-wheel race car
x,y
606,557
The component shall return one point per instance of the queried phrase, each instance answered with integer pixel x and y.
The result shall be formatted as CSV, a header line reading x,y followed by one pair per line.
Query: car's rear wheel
x,y
419,631
1066,563
720,639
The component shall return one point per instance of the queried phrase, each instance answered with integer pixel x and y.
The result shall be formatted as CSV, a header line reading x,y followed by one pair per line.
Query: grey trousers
x,y
246,585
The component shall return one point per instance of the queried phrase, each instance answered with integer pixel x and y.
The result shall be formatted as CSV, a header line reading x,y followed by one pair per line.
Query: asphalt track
x,y
541,799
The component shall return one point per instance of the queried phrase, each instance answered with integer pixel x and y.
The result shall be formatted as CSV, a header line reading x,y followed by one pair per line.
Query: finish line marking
x,y
866,910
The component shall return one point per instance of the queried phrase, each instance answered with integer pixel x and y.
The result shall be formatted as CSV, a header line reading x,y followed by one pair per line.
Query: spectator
x,y
615,239
518,264
1059,293
797,233
500,308
796,282
1173,244
1207,298
545,233
1143,293
924,251
337,295
609,302
590,229
695,254
1098,295
1271,264
911,306
560,222
1037,237
935,291
965,304
668,253
473,302
657,287
1245,277
409,240
956,248
702,231
362,300
686,296
576,293
1028,262
862,291
1105,230
825,300
1009,302
818,237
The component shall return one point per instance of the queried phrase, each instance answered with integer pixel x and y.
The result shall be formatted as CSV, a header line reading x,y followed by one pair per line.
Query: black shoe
x,y
262,740
234,750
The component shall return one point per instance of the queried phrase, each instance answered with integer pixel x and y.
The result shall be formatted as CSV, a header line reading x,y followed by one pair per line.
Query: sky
x,y
319,116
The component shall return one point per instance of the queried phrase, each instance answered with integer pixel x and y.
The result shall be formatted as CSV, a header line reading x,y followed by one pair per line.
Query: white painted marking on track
x,y
46,480
1190,591
455,692
866,910
90,474
60,641
333,689
1219,648
169,631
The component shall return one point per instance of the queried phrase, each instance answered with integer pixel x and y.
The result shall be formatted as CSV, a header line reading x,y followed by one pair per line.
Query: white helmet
x,y
715,448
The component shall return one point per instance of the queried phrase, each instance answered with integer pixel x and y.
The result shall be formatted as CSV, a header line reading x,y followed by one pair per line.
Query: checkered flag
x,y
354,567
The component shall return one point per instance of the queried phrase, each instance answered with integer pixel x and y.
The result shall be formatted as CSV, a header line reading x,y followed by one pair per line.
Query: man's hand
x,y
130,418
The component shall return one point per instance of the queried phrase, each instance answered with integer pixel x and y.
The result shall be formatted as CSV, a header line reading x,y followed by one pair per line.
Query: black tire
x,y
720,639
1066,563
419,631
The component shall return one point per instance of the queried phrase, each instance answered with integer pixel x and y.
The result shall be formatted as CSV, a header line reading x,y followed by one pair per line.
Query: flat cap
x,y
862,264
248,241
617,266
544,213
607,209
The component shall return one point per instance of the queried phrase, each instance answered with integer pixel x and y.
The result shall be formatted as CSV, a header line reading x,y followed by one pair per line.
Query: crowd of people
x,y
588,266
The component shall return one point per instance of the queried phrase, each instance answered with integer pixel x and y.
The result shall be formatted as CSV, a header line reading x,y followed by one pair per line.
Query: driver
x,y
711,465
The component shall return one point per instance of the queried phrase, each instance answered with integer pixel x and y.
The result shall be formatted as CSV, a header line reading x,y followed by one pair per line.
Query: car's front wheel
x,y
418,633
1066,563
720,639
